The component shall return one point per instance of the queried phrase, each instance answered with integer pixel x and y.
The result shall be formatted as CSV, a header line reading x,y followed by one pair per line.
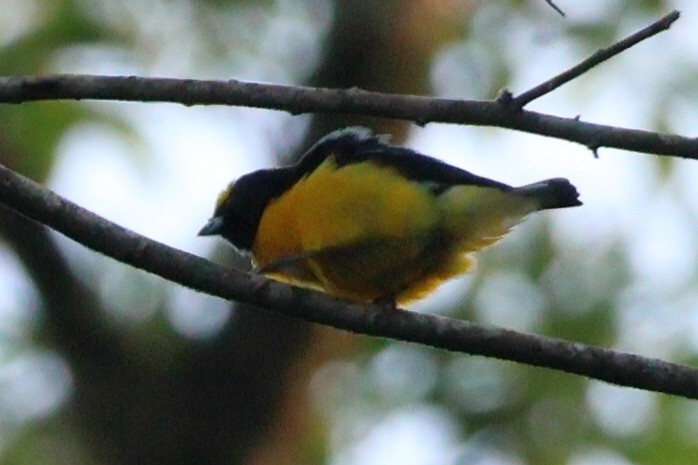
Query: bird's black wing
x,y
357,145
341,144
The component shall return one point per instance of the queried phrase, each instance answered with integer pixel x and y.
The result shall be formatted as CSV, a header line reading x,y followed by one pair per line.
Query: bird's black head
x,y
240,206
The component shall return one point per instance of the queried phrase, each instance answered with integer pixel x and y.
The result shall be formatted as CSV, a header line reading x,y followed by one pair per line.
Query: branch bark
x,y
97,233
505,112
302,99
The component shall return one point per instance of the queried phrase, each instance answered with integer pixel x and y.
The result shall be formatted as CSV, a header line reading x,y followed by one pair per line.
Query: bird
x,y
370,222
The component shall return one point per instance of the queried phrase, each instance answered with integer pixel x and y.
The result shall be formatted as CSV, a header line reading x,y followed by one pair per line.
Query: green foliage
x,y
31,132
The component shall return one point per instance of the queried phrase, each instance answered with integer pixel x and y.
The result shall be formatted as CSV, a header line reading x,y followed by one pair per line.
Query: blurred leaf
x,y
32,131
64,23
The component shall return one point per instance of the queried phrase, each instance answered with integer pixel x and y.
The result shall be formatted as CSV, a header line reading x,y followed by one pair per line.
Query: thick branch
x,y
299,99
41,205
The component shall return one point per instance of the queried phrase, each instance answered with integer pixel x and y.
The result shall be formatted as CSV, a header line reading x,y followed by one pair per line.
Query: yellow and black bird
x,y
369,221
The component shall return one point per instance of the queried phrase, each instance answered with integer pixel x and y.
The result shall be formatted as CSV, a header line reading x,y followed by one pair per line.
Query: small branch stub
x,y
555,7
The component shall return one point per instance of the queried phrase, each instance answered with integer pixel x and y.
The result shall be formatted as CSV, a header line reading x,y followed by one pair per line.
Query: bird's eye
x,y
224,196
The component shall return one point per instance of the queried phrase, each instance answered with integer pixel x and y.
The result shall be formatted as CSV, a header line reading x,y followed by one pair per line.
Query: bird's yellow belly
x,y
397,269
365,233
400,269
357,231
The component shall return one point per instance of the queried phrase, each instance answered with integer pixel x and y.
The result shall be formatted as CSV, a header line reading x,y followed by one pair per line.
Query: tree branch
x,y
555,7
598,57
95,232
300,99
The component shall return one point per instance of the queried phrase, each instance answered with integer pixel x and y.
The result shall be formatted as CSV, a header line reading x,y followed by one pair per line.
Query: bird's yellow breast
x,y
353,223
363,231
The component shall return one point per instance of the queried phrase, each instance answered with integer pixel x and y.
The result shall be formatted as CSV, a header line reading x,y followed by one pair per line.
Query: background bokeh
x,y
100,363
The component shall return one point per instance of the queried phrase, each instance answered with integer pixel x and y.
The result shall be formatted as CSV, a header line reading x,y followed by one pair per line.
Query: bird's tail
x,y
552,193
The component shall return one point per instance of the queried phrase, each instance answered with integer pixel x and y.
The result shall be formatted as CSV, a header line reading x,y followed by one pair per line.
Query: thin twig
x,y
83,226
598,57
555,7
299,99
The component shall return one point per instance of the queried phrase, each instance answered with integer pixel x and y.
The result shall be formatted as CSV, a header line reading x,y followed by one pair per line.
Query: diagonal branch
x,y
555,7
89,229
598,57
300,99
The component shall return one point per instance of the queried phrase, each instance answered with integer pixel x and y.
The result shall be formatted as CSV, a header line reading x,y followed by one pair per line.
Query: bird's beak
x,y
213,227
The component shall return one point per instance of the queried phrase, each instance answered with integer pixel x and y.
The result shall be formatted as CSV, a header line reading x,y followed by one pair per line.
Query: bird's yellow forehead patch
x,y
224,196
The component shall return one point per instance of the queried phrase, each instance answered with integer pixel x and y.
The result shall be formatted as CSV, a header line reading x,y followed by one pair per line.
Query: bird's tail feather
x,y
552,193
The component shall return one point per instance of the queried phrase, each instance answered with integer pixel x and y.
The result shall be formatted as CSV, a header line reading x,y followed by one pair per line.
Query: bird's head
x,y
240,206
